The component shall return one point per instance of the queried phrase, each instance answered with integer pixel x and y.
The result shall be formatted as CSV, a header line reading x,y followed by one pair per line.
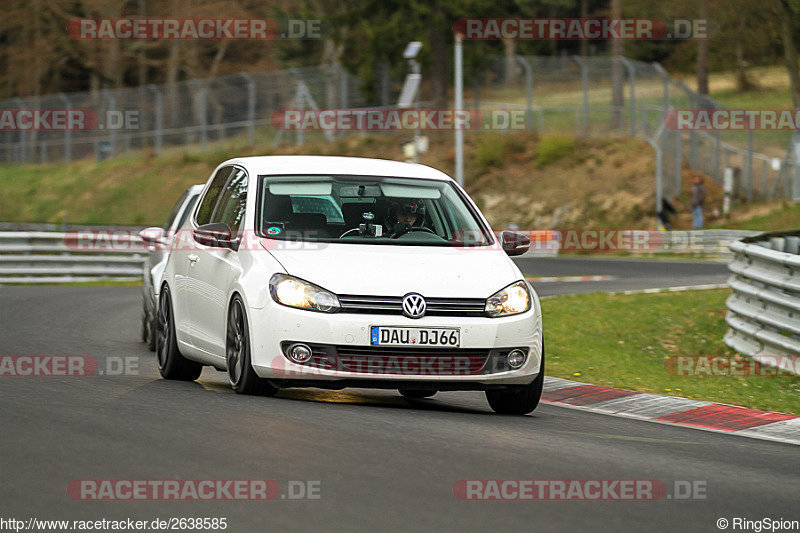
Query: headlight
x,y
294,292
512,300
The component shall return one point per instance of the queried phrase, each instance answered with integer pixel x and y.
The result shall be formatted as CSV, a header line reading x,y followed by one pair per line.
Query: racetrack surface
x,y
627,274
382,461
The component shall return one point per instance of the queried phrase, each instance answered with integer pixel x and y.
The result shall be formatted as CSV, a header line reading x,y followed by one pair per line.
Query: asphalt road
x,y
627,274
382,462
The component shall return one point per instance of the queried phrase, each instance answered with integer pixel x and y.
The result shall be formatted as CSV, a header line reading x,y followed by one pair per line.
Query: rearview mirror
x,y
360,191
514,243
217,235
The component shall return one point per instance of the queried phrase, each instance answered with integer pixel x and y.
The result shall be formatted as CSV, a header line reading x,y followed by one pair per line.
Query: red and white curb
x,y
673,410
553,279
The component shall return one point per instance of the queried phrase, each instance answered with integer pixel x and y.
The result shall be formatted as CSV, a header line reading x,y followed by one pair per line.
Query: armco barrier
x,y
47,257
764,309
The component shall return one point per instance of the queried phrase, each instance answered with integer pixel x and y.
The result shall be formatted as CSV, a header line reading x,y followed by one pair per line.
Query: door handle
x,y
193,258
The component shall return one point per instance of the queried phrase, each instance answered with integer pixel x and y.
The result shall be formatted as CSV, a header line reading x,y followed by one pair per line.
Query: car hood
x,y
378,270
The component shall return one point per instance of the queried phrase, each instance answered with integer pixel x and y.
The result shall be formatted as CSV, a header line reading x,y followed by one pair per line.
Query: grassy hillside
x,y
515,178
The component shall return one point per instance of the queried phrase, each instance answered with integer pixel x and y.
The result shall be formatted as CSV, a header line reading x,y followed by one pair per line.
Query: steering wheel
x,y
421,228
413,228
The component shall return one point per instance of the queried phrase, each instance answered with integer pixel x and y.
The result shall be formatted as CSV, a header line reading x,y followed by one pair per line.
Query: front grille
x,y
402,361
393,305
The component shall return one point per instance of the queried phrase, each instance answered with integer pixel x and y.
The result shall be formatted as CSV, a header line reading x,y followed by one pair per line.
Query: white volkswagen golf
x,y
333,272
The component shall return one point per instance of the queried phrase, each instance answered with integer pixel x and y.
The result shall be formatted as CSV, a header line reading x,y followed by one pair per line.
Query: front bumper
x,y
344,333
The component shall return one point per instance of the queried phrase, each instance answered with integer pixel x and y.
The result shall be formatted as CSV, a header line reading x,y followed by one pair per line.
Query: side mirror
x,y
153,236
217,235
514,243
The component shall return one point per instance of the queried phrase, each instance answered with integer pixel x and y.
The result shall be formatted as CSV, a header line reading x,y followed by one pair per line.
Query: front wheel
x,y
171,363
520,401
241,375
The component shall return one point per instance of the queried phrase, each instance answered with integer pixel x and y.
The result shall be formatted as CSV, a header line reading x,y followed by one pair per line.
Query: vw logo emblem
x,y
414,305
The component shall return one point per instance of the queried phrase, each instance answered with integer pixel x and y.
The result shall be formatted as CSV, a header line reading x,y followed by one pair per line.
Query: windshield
x,y
367,209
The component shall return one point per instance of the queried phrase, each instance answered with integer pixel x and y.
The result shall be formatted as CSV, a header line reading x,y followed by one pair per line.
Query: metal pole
x,y
528,91
199,91
459,133
585,84
659,177
67,133
678,160
343,87
632,77
159,117
111,104
22,134
251,107
749,165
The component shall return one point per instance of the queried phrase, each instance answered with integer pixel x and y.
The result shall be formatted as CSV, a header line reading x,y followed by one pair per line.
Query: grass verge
x,y
624,340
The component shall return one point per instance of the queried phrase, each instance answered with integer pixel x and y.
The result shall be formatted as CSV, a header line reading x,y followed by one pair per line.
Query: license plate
x,y
401,336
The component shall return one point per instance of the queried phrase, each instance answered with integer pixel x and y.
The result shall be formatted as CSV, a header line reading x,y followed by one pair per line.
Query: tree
x,y
788,18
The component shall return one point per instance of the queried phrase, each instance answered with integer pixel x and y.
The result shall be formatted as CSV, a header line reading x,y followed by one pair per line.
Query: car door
x,y
212,270
185,250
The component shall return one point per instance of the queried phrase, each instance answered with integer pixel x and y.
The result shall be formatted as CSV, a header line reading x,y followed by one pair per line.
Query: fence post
x,y
665,75
199,91
678,160
585,88
23,145
251,107
632,77
343,87
659,176
112,131
693,137
159,117
528,91
749,165
384,83
67,133
795,194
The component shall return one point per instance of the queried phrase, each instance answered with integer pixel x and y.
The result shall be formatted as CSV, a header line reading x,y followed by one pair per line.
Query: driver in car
x,y
404,215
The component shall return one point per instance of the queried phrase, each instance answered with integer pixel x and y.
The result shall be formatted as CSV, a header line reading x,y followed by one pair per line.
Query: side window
x,y
175,210
189,207
231,206
206,208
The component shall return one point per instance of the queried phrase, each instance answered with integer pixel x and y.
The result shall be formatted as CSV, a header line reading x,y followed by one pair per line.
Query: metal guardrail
x,y
55,257
86,254
764,309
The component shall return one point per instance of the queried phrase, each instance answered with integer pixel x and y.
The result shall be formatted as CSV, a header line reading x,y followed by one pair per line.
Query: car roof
x,y
335,165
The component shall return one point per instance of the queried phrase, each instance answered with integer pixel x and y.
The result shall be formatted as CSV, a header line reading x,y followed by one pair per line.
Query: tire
x,y
520,401
171,363
241,375
415,394
144,332
151,341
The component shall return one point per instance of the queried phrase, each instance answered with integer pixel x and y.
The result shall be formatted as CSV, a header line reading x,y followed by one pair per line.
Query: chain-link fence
x,y
571,96
176,114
